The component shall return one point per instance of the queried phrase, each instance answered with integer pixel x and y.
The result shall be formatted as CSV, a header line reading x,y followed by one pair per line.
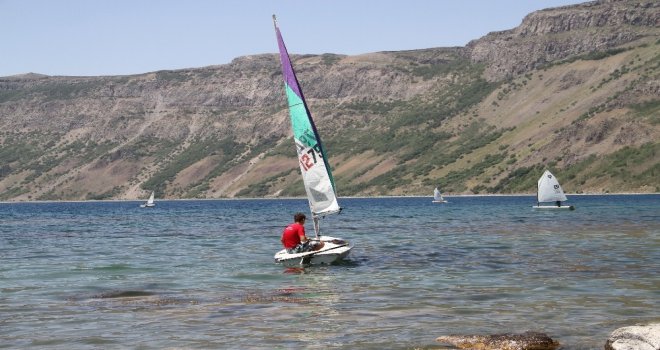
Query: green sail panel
x,y
302,128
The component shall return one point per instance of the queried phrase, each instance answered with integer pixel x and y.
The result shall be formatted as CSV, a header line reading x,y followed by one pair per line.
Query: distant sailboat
x,y
317,177
150,202
549,190
437,196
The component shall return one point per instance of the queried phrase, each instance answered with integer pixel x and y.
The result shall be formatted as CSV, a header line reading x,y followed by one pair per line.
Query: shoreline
x,y
341,197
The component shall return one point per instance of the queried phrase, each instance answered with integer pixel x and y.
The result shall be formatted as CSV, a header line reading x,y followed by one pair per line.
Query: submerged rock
x,y
640,337
507,341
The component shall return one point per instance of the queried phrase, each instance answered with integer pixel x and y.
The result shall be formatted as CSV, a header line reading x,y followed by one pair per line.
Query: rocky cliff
x,y
554,34
574,89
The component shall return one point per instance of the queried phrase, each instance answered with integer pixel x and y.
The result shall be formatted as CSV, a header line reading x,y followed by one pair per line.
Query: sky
x,y
122,37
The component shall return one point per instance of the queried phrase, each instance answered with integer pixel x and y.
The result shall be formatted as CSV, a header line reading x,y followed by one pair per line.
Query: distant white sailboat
x,y
549,190
437,196
150,202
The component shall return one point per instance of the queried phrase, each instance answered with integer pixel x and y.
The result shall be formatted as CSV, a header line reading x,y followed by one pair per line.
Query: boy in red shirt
x,y
293,237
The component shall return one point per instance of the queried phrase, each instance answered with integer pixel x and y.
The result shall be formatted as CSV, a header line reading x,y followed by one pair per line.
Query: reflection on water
x,y
200,274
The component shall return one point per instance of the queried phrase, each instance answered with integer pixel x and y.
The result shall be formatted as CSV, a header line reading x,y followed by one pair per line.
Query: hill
x,y
573,89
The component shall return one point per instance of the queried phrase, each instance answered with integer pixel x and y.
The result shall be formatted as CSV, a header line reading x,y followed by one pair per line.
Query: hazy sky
x,y
114,37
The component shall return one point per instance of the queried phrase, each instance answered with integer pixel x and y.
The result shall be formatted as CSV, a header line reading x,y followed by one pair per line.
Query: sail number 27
x,y
308,156
308,159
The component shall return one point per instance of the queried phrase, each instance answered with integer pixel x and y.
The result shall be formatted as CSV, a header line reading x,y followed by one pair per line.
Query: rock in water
x,y
640,337
507,341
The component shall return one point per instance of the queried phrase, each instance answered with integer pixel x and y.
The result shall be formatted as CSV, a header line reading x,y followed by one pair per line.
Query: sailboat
x,y
315,170
549,190
437,196
150,202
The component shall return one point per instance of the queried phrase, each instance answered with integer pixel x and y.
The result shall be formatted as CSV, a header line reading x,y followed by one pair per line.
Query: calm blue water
x,y
200,274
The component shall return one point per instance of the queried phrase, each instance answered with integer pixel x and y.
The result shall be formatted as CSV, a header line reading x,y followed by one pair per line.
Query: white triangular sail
x,y
549,189
437,196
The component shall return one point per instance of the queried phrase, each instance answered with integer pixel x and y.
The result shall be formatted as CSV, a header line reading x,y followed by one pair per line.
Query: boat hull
x,y
564,207
334,249
442,201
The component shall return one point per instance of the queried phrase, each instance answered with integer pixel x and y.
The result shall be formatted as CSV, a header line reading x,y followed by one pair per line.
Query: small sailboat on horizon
x,y
315,170
437,196
549,190
150,202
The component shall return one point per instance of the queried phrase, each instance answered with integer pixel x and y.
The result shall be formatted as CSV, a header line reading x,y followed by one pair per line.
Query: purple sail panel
x,y
287,69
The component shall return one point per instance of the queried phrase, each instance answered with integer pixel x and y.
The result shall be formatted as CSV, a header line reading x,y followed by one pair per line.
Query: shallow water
x,y
200,274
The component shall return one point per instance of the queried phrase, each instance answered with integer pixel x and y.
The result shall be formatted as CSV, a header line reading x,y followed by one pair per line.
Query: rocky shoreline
x,y
638,337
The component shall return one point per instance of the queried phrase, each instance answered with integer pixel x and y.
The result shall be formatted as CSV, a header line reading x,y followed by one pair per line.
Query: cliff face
x,y
111,108
554,34
574,89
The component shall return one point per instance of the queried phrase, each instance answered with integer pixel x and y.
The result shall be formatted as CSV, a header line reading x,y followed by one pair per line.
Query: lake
x,y
200,274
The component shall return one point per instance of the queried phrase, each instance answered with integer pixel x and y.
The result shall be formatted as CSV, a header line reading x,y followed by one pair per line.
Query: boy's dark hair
x,y
298,217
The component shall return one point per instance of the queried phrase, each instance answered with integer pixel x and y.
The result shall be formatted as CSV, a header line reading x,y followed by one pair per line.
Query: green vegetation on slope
x,y
627,168
195,152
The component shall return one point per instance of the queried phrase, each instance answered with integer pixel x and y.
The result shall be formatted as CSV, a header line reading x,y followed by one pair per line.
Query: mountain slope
x,y
573,89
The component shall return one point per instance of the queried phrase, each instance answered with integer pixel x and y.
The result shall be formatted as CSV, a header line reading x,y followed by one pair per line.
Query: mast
x,y
317,226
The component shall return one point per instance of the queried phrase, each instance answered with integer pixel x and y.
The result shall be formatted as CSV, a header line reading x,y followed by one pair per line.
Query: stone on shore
x,y
507,341
640,337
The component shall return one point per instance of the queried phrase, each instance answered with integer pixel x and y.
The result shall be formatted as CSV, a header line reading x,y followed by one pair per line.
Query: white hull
x,y
334,249
149,205
440,201
569,207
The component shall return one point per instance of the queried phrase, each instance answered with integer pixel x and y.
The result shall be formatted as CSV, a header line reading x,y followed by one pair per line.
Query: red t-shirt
x,y
291,235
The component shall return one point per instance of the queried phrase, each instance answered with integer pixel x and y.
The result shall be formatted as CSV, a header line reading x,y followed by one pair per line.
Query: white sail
x,y
437,195
549,189
317,182
151,198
